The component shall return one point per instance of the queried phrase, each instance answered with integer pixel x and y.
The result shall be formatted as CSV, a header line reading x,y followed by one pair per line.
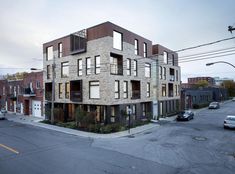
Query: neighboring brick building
x,y
24,96
109,69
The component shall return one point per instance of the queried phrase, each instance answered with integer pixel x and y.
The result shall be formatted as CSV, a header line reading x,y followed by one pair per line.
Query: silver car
x,y
2,116
229,121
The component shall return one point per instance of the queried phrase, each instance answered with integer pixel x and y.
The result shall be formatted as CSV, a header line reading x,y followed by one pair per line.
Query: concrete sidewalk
x,y
36,122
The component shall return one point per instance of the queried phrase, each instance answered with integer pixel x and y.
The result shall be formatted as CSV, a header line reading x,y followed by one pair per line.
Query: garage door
x,y
36,108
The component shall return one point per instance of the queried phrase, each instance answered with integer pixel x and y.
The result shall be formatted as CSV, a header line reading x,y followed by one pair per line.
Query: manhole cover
x,y
200,138
153,139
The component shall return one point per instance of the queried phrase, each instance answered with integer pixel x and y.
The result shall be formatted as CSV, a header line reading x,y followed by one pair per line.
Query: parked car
x,y
214,105
229,121
233,99
4,111
2,116
185,115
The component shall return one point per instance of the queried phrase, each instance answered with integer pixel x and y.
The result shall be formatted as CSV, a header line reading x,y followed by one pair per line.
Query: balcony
x,y
28,92
116,69
76,90
78,42
135,89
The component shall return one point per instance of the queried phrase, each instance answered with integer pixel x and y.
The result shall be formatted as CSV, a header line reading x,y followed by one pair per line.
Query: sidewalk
x,y
36,122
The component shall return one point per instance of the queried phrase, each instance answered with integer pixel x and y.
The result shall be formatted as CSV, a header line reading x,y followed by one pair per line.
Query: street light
x,y
212,63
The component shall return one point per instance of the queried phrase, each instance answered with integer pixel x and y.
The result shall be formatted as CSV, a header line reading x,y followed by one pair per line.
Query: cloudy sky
x,y
26,24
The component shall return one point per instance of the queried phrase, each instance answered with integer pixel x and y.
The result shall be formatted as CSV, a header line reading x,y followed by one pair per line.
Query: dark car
x,y
214,105
185,115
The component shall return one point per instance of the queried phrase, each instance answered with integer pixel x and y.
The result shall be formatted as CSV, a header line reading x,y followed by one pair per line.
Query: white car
x,y
229,121
2,116
233,99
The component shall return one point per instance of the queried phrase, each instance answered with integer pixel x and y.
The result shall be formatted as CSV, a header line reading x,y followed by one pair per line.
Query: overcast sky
x,y
26,24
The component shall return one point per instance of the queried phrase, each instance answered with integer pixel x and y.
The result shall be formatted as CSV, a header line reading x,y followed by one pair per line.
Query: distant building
x,y
195,80
219,81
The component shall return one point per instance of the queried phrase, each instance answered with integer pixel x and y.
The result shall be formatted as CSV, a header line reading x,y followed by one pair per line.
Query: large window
x,y
136,47
64,69
97,64
117,89
147,70
88,65
145,50
48,71
60,90
49,53
163,90
177,75
125,89
135,70
165,57
117,40
94,90
60,50
128,67
67,90
79,67
148,90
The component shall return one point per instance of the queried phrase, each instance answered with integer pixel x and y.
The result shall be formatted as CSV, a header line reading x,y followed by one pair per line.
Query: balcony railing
x,y
48,95
76,96
135,94
28,92
116,69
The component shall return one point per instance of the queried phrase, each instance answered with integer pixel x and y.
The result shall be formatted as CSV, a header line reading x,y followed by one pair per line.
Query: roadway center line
x,y
10,149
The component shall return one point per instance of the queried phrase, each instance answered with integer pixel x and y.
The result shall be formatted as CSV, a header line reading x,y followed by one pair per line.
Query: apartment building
x,y
109,70
195,80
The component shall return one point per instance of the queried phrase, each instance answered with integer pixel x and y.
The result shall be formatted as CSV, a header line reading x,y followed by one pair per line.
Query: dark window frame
x,y
118,89
64,65
79,69
136,46
88,69
60,50
97,67
125,90
145,49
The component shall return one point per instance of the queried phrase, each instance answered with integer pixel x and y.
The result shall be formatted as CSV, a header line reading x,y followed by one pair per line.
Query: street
x,y
198,146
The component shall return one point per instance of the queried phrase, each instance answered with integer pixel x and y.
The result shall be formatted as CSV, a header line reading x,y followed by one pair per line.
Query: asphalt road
x,y
198,146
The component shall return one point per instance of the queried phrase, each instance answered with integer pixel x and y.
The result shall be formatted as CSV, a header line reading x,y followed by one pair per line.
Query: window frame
x,y
48,71
160,72
125,89
79,67
164,91
128,67
136,43
116,42
117,89
164,73
88,66
146,67
60,50
95,83
60,90
148,90
145,49
67,90
165,57
97,66
64,65
49,49
135,68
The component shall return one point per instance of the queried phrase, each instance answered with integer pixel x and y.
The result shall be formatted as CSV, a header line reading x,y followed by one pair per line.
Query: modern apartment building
x,y
195,80
110,70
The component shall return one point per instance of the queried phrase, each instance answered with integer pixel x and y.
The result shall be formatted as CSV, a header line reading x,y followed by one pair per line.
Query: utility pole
x,y
53,91
230,29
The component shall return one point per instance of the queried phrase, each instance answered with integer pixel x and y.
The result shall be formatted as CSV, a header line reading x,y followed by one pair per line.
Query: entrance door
x,y
36,108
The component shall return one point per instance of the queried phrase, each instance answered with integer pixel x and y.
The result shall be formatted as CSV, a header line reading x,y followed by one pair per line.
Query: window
x,y
145,50
64,69
176,90
49,53
112,119
128,67
163,90
136,47
160,72
148,90
60,90
135,68
38,85
97,64
3,90
143,109
79,67
173,59
94,90
117,89
48,71
67,89
117,40
164,73
18,89
88,66
165,57
116,64
176,74
60,50
125,89
134,110
147,70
